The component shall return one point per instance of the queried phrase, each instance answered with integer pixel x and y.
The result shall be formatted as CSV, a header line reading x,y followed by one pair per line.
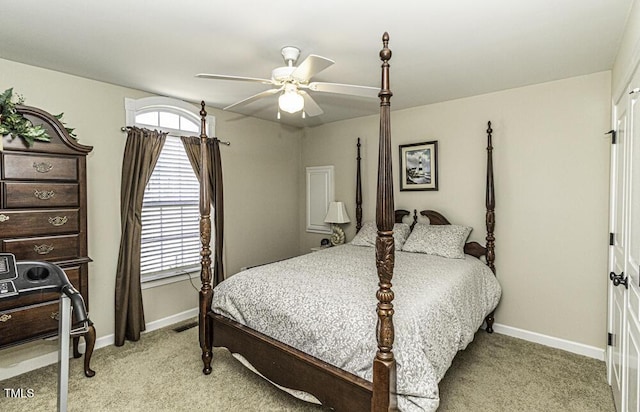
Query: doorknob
x,y
619,279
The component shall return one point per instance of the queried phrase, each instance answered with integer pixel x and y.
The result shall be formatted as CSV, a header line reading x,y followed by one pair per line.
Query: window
x,y
170,243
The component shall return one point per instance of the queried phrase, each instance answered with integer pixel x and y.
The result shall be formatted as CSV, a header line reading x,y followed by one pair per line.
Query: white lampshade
x,y
337,213
291,101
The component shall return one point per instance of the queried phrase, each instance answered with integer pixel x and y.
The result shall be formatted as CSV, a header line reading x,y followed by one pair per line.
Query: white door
x,y
633,369
617,295
632,255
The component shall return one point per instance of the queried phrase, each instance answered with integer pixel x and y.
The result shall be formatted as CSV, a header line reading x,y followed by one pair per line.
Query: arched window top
x,y
166,119
167,114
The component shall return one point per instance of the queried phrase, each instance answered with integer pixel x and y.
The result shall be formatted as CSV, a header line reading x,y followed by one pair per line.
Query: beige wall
x,y
261,189
260,178
551,164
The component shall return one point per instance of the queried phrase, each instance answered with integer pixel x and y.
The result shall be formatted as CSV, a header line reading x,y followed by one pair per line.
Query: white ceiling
x,y
442,50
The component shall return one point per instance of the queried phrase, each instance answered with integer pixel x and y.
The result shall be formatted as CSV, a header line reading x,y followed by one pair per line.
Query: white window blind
x,y
170,214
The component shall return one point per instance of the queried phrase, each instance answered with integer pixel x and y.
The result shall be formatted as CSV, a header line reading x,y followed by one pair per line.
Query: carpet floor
x,y
162,372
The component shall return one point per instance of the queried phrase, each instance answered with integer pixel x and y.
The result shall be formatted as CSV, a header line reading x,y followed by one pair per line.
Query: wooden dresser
x,y
43,217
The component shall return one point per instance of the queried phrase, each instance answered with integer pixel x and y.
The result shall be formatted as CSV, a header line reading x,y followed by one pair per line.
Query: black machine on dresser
x,y
23,278
19,278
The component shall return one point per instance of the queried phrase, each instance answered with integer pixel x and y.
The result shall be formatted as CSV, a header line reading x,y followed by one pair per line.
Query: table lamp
x,y
337,214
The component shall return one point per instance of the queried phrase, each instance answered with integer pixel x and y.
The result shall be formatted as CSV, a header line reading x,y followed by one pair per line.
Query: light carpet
x,y
163,372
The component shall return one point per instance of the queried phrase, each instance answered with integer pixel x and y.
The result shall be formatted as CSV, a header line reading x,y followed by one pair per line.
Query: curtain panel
x,y
192,147
141,154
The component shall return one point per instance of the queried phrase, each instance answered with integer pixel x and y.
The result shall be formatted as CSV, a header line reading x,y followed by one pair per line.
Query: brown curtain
x,y
141,154
192,147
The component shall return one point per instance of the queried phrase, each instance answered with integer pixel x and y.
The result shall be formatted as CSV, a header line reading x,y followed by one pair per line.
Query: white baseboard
x,y
170,320
52,357
558,343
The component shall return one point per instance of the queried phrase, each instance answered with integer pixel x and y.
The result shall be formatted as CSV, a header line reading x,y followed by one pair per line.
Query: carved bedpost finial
x,y
203,120
385,55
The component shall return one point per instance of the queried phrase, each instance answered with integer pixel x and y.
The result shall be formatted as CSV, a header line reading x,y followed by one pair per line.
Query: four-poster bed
x,y
345,300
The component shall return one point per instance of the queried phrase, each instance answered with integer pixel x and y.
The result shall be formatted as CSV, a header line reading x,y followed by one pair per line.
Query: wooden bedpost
x,y
384,364
358,190
490,217
206,292
490,203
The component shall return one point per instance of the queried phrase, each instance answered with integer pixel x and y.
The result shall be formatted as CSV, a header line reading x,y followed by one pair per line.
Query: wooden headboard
x,y
401,213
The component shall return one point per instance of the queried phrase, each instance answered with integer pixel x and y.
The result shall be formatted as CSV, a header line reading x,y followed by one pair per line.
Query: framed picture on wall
x,y
419,166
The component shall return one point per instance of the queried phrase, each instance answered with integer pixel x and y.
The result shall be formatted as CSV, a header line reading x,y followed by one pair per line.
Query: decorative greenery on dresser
x,y
13,123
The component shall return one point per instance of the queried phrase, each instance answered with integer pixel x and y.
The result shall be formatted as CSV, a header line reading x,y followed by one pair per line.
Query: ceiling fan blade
x,y
240,78
312,65
255,97
350,89
311,108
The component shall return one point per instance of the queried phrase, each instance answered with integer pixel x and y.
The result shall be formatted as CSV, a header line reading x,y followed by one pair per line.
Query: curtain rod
x,y
124,129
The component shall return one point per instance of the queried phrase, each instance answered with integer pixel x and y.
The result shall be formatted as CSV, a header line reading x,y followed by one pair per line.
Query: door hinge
x,y
613,136
609,339
612,240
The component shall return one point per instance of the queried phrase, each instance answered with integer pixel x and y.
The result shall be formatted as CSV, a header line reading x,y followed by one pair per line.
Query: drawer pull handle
x,y
58,220
3,218
43,249
44,194
5,318
42,167
55,315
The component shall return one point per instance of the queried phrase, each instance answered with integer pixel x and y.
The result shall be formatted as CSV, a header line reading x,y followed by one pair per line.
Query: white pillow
x,y
442,240
369,231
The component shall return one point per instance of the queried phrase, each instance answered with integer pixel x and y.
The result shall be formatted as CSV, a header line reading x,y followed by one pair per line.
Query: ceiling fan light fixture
x,y
291,101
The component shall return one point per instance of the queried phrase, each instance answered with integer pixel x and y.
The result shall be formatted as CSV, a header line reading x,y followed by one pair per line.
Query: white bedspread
x,y
324,304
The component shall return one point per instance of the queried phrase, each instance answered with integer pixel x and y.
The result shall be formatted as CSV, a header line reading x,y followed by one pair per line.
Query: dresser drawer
x,y
34,167
38,222
52,248
21,195
38,297
24,323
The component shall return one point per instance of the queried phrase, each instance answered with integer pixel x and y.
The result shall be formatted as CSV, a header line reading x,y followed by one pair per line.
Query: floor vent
x,y
186,326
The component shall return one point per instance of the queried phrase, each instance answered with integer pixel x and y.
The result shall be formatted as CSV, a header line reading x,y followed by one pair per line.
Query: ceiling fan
x,y
293,84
